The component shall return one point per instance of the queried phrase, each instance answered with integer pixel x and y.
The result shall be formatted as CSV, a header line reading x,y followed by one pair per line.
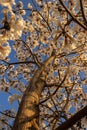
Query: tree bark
x,y
28,114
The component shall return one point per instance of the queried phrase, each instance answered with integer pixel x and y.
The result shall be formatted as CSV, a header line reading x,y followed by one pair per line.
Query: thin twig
x,y
74,18
58,86
7,114
21,62
2,120
42,16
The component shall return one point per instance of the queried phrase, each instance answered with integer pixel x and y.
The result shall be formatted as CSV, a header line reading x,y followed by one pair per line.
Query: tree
x,y
49,68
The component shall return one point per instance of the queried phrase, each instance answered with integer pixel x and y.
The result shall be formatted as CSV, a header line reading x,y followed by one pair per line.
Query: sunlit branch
x,y
68,96
33,91
53,101
47,11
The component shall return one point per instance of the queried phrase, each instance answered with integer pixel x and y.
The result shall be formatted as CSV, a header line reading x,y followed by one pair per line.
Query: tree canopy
x,y
43,59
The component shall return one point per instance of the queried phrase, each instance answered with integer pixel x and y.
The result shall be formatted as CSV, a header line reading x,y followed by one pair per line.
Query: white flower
x,y
73,46
14,97
29,6
7,3
49,104
3,38
5,50
16,29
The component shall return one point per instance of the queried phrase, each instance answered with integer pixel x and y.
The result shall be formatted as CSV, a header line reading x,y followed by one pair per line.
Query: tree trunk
x,y
28,114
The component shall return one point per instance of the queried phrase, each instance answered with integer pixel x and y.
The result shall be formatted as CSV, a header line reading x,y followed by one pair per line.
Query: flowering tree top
x,y
43,29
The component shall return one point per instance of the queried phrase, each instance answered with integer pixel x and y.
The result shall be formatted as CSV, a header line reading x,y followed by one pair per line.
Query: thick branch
x,y
28,113
75,118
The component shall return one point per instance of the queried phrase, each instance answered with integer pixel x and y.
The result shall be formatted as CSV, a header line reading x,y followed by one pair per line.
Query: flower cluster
x,y
13,25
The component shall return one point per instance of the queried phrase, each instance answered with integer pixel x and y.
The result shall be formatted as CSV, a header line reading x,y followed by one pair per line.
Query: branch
x,y
33,55
83,14
28,108
75,118
74,18
58,86
21,62
3,120
46,21
42,68
7,114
